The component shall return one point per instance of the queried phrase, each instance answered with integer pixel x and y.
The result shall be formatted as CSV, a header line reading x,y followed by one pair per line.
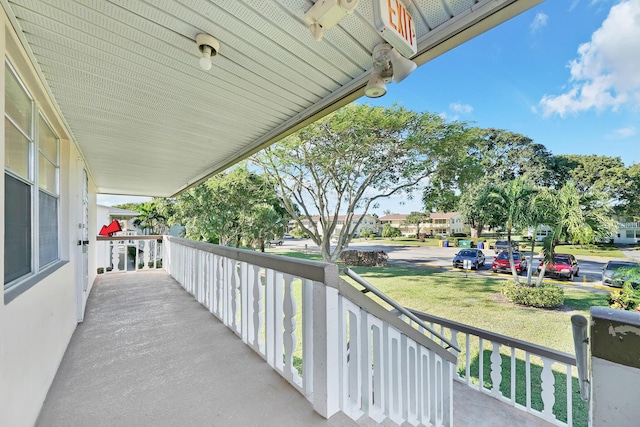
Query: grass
x,y
477,301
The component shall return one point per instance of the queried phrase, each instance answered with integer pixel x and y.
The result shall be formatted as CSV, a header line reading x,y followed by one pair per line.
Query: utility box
x,y
465,243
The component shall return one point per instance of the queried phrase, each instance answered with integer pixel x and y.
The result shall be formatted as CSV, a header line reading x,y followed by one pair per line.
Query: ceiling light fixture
x,y
208,47
325,14
388,65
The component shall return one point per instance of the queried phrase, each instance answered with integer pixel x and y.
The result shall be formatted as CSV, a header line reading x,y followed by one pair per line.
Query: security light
x,y
208,47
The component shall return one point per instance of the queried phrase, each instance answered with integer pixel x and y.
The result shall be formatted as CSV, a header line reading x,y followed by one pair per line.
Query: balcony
x,y
149,353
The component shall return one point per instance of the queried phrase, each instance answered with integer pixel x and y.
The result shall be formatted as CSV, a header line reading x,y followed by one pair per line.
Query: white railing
x,y
119,254
516,372
336,346
629,225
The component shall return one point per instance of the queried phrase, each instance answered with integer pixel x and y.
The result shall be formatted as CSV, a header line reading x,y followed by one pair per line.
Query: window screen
x,y
17,226
48,225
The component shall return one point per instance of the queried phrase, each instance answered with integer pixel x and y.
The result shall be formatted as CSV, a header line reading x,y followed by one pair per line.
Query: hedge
x,y
545,296
364,258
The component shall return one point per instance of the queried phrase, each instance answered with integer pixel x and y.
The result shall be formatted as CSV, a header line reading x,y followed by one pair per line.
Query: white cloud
x,y
623,133
539,21
605,73
461,108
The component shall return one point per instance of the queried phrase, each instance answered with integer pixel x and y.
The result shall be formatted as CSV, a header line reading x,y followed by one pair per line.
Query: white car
x,y
288,236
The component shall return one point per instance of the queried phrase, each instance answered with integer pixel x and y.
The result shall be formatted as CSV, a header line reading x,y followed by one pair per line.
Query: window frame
x,y
37,272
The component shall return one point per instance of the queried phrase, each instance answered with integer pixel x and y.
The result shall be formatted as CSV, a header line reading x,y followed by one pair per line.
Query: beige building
x,y
439,224
369,222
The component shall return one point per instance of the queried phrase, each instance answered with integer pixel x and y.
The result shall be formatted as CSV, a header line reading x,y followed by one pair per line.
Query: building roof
x,y
119,212
125,79
433,215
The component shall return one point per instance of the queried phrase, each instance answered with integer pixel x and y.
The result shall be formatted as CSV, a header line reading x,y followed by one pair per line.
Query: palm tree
x,y
509,207
580,218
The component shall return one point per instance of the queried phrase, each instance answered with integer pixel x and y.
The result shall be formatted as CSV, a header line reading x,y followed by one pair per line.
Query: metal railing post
x,y
579,325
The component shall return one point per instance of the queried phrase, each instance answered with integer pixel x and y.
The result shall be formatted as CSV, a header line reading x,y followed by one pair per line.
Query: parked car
x,y
616,273
475,256
564,266
274,242
503,245
288,236
501,262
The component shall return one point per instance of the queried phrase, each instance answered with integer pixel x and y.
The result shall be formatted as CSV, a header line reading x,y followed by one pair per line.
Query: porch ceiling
x,y
149,121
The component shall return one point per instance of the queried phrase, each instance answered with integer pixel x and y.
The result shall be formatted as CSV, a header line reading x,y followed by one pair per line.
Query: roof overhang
x,y
149,121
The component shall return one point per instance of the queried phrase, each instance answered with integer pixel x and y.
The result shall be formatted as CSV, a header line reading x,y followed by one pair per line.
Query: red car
x,y
501,262
564,266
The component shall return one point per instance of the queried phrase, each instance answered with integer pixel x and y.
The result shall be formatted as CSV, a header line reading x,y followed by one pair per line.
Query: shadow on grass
x,y
585,302
580,408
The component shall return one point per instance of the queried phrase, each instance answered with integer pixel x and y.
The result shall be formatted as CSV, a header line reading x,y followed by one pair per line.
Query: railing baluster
x,y
147,254
569,396
289,334
481,365
513,375
245,296
496,369
279,321
270,318
307,337
548,387
528,379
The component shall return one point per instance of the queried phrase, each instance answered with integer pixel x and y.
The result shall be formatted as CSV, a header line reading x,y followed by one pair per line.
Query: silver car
x,y
615,273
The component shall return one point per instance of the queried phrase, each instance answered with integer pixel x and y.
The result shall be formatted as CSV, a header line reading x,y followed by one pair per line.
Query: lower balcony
x,y
264,342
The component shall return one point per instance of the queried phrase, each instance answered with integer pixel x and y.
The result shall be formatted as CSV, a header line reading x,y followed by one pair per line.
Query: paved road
x,y
437,257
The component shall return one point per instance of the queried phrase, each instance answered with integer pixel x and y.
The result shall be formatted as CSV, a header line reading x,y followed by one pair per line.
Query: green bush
x,y
364,258
626,298
545,296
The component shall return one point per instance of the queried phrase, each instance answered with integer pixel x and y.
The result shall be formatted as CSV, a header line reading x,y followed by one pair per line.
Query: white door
x,y
83,240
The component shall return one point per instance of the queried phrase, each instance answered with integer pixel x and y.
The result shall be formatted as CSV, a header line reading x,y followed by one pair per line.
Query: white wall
x,y
614,394
36,326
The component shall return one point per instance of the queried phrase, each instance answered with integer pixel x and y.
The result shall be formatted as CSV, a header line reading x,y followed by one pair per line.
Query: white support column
x,y
326,380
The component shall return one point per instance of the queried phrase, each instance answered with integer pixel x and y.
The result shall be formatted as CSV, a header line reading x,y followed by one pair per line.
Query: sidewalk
x,y
631,252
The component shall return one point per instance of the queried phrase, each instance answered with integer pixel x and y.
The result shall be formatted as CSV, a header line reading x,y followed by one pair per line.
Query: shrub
x,y
364,258
545,296
367,233
626,298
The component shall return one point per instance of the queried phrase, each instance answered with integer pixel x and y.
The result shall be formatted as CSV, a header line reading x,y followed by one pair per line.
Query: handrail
x,y
370,288
579,325
501,339
132,237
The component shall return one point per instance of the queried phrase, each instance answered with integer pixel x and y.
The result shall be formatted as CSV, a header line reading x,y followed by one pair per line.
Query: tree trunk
x,y
477,230
511,264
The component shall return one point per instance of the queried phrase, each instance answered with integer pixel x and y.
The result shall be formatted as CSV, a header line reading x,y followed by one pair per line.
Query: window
x,y
630,234
32,170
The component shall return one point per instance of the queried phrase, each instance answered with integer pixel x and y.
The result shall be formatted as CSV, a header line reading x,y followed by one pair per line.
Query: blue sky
x,y
565,73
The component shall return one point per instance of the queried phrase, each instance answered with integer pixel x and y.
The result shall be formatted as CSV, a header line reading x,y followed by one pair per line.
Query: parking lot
x,y
440,258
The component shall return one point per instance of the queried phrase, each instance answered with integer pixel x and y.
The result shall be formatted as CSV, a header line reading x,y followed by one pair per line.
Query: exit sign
x,y
396,26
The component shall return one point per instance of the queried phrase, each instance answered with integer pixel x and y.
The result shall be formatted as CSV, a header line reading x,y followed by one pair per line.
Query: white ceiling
x,y
150,121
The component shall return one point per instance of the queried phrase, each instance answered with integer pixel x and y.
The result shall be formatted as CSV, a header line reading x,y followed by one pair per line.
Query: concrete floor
x,y
148,354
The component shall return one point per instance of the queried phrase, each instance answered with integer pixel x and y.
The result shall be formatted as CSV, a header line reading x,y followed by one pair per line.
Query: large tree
x,y
232,207
350,159
592,173
488,157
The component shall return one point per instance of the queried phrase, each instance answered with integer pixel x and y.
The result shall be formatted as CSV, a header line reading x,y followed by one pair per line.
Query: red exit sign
x,y
396,26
